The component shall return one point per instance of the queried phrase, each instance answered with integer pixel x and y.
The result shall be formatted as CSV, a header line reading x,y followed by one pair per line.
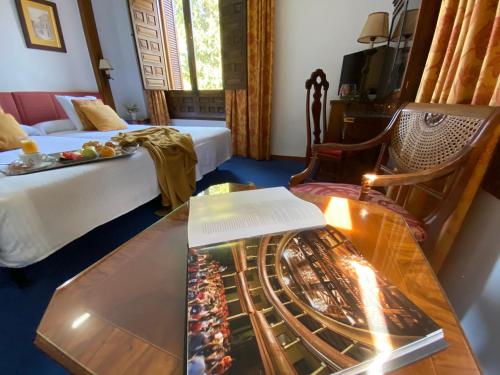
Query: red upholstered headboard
x,y
32,107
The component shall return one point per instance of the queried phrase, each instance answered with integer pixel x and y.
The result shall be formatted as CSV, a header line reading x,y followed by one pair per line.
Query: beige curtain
x,y
463,67
248,112
237,120
157,107
463,63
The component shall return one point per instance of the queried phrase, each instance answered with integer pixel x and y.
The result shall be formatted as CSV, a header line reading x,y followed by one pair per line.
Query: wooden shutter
x,y
147,28
233,24
171,43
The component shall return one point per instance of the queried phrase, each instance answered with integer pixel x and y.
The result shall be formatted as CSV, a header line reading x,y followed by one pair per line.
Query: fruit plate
x,y
17,168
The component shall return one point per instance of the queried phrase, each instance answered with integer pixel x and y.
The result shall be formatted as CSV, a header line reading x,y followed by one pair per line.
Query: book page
x,y
227,217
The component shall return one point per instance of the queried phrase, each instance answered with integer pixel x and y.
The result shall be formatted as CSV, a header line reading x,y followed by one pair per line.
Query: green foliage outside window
x,y
182,44
206,41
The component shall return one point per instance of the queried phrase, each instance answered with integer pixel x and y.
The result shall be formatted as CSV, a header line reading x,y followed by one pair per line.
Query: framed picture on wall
x,y
40,24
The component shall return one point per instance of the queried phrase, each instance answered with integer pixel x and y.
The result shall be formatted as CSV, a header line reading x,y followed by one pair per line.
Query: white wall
x,y
471,278
310,35
336,25
26,69
117,43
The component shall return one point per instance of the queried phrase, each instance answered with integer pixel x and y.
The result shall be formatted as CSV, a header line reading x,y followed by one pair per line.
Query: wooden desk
x,y
126,313
357,121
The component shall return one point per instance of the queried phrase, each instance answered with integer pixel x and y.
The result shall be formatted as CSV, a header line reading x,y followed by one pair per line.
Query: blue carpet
x,y
22,309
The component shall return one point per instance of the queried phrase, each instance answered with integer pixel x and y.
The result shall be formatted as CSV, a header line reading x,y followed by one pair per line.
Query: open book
x,y
272,289
220,218
300,302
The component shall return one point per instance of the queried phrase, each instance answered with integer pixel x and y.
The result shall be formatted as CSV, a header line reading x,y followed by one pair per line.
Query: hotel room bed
x,y
42,212
212,144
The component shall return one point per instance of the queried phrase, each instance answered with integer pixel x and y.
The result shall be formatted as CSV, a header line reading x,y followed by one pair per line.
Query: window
x,y
195,53
194,49
200,46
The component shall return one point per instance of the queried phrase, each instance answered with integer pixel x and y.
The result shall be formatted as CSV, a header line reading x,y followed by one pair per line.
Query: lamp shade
x,y
376,29
104,64
408,29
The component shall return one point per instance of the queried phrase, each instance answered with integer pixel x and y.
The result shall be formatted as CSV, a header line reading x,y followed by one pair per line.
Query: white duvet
x,y
42,212
212,144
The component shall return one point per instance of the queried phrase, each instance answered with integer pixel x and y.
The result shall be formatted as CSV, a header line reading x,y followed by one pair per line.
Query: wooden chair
x,y
317,112
428,153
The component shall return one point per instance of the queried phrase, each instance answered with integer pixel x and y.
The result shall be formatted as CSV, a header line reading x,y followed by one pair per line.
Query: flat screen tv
x,y
366,70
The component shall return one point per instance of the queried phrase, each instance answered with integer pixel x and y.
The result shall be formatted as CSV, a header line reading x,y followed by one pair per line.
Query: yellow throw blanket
x,y
174,157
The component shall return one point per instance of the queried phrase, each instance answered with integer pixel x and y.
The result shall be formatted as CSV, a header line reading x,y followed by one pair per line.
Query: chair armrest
x,y
378,140
370,180
300,177
409,178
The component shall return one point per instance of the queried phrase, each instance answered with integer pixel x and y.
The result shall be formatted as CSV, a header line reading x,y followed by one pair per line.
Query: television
x,y
366,70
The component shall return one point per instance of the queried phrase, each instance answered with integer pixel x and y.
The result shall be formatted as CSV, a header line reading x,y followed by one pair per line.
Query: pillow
x,y
54,126
1,110
87,125
10,132
103,117
65,102
31,130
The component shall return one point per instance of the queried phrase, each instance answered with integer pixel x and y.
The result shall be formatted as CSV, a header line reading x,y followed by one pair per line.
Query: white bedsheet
x,y
42,212
211,144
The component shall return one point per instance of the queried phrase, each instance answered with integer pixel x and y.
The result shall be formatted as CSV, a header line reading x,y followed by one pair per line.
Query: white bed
x,y
42,212
212,144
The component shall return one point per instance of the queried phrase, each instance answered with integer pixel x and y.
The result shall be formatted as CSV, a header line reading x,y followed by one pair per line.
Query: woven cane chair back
x,y
428,153
423,140
428,137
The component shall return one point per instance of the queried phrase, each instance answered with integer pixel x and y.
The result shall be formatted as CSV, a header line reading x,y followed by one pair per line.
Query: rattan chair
x,y
427,154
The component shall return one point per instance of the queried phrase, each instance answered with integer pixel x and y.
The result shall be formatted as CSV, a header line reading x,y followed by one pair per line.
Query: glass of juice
x,y
29,146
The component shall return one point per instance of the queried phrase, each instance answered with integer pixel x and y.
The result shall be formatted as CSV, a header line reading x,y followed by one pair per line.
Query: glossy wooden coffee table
x,y
126,314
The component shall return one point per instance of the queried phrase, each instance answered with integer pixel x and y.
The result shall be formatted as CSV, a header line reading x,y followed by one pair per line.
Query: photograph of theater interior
x,y
381,115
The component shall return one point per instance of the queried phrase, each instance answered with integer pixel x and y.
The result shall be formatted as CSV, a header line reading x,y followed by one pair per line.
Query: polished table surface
x,y
126,313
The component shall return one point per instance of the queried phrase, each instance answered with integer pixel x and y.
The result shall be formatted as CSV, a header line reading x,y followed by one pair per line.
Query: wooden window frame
x,y
194,103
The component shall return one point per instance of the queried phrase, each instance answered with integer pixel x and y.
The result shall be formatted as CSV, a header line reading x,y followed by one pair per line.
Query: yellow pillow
x,y
10,132
103,117
78,104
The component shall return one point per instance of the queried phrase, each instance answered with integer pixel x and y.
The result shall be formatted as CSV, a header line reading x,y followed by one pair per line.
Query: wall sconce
x,y
105,67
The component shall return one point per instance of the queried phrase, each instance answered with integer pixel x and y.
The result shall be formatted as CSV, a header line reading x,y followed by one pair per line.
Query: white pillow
x,y
65,102
31,130
54,126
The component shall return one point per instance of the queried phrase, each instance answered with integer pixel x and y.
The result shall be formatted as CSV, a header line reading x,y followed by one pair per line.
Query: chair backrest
x,y
316,110
422,137
422,140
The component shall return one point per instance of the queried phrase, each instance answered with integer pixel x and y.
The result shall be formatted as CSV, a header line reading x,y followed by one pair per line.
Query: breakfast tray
x,y
55,162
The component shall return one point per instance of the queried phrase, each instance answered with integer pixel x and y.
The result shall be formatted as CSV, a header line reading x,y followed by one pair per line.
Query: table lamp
x,y
376,29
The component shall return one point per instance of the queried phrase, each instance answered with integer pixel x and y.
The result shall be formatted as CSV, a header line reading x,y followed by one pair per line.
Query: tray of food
x,y
91,152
